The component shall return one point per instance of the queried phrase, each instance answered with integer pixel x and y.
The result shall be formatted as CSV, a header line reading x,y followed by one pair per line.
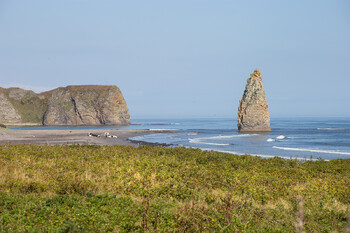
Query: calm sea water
x,y
304,138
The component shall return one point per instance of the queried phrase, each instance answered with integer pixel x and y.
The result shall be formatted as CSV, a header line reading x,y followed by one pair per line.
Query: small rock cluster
x,y
106,135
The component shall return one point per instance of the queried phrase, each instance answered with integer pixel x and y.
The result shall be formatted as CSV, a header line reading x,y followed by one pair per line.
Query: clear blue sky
x,y
184,58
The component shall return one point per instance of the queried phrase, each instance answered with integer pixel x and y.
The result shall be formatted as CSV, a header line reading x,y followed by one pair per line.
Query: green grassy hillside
x,y
30,106
156,189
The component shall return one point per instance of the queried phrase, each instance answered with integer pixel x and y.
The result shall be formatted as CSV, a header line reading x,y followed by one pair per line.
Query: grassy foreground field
x,y
150,189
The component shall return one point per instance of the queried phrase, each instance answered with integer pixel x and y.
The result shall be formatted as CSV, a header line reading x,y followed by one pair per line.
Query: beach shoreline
x,y
77,137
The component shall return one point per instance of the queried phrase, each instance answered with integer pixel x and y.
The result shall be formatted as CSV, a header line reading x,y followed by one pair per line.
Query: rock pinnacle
x,y
253,112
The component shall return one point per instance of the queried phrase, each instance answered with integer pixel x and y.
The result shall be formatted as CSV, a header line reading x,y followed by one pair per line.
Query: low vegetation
x,y
150,189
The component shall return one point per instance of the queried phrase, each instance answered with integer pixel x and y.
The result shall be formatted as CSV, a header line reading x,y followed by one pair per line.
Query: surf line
x,y
203,140
200,141
312,150
262,156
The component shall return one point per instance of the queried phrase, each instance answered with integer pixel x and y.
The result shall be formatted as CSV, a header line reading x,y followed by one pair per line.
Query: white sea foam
x,y
330,128
163,129
313,150
200,141
215,144
222,151
138,138
192,134
259,155
270,140
231,136
281,137
205,139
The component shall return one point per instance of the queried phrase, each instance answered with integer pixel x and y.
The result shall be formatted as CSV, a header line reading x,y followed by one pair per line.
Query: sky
x,y
184,58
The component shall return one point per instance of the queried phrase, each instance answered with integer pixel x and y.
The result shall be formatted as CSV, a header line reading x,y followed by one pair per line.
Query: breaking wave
x,y
200,141
312,150
330,128
163,129
205,139
259,155
230,136
192,134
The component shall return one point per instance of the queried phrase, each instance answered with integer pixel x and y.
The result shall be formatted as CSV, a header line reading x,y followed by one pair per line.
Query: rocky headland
x,y
71,105
253,112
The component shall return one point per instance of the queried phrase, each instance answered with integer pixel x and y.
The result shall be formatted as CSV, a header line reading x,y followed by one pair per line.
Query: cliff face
x,y
253,113
86,105
72,105
8,113
21,106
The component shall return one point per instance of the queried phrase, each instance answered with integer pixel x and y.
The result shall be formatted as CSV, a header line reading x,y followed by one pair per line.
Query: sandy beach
x,y
70,137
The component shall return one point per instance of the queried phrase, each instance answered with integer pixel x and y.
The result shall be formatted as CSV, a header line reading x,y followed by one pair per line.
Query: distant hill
x,y
71,105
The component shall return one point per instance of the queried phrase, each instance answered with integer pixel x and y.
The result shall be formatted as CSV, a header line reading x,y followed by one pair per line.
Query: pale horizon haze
x,y
184,58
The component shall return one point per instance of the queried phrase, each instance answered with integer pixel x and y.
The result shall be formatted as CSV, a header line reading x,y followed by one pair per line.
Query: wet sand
x,y
70,137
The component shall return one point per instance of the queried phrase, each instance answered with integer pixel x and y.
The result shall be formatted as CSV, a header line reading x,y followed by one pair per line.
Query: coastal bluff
x,y
64,106
253,112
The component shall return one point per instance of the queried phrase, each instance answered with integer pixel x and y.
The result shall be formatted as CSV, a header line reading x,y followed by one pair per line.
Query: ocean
x,y
301,138
290,138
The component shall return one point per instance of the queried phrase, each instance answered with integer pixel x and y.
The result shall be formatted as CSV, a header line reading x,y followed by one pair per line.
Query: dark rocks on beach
x,y
94,135
253,113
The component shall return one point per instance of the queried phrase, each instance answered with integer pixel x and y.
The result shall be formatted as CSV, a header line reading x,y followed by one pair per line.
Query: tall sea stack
x,y
253,112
